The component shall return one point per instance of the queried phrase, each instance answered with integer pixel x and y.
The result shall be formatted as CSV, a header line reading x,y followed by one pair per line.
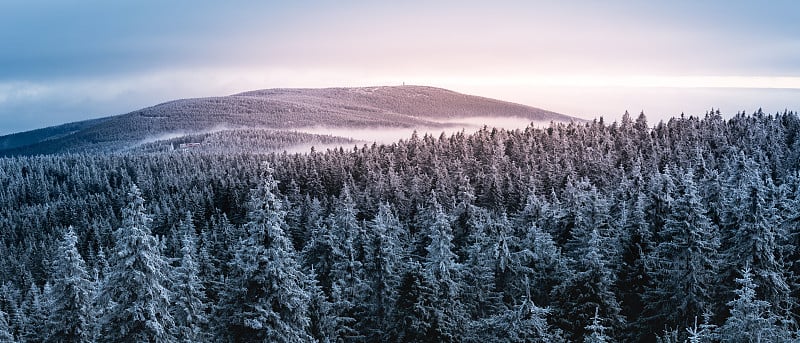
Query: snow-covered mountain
x,y
274,111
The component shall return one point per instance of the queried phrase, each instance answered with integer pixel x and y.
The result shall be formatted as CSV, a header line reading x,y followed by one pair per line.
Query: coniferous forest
x,y
687,230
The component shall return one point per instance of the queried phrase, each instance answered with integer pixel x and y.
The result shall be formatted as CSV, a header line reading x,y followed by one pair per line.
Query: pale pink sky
x,y
70,61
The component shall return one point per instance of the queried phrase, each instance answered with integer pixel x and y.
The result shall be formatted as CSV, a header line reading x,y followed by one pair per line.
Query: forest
x,y
683,231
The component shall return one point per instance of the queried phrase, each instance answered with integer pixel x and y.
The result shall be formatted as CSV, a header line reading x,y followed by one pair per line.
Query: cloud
x,y
64,61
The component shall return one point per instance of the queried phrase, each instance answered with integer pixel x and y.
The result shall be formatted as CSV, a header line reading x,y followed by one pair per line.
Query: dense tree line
x,y
683,231
243,141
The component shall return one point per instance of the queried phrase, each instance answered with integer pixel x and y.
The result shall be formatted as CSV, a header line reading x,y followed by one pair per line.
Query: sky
x,y
63,61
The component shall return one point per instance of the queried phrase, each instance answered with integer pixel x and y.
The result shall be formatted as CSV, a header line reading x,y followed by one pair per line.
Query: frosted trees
x,y
589,282
525,322
544,264
751,319
70,295
35,315
428,306
682,266
343,254
588,287
134,293
755,234
6,333
188,292
596,330
440,276
265,298
385,267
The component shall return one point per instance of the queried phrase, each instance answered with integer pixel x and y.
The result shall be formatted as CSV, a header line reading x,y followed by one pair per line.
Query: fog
x,y
178,134
389,135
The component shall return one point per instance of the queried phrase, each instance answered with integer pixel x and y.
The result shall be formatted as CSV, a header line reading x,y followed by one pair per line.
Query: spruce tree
x,y
544,263
596,330
441,279
322,322
587,287
265,298
384,269
135,293
349,288
188,307
70,295
683,265
755,234
751,319
6,333
35,312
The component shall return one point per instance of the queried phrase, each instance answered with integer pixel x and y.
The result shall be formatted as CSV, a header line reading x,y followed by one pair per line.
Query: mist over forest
x,y
684,230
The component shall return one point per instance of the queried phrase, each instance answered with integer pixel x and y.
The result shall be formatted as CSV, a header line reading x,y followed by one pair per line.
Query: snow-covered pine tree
x,y
349,287
751,319
683,265
384,268
35,313
587,287
413,311
525,322
70,296
188,306
135,294
477,287
6,333
544,263
755,235
596,331
440,276
322,323
265,298
703,333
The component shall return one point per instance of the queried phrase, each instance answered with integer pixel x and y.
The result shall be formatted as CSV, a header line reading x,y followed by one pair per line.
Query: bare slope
x,y
275,109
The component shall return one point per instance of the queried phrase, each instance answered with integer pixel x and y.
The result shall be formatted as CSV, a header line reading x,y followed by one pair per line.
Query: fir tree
x,y
596,330
683,265
755,236
35,312
266,299
525,322
545,266
385,267
6,333
134,293
349,288
70,295
751,319
478,288
322,323
189,307
440,276
588,286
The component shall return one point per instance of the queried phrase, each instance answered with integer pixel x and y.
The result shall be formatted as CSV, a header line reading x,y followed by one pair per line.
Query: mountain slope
x,y
274,109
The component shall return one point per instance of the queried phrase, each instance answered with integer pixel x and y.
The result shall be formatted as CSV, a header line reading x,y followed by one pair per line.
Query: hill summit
x,y
272,114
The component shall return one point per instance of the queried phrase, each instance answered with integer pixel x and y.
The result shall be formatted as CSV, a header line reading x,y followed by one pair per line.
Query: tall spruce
x,y
384,269
189,306
6,332
70,296
135,293
266,299
441,278
751,319
683,265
